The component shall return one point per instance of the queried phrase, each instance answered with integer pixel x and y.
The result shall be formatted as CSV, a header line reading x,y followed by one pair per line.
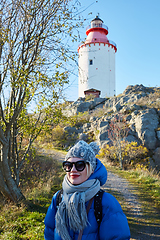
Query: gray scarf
x,y
72,209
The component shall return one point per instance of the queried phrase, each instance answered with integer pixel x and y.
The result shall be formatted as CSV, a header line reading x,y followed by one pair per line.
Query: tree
x,y
34,66
117,131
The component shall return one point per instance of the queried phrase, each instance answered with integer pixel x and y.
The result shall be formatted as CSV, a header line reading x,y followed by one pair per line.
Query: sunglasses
x,y
79,165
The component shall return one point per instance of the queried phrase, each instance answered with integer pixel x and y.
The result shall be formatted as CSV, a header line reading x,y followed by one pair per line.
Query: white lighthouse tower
x,y
97,62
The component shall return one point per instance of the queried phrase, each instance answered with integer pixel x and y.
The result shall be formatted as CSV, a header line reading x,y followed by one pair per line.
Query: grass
x,y
26,221
20,223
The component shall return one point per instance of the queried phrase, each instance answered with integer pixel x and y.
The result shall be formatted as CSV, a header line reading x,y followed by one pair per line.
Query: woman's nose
x,y
74,168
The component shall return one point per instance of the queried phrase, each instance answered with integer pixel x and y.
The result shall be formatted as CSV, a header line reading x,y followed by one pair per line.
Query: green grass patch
x,y
20,223
26,221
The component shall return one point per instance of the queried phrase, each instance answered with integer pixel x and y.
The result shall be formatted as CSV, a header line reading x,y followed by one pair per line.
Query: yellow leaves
x,y
132,154
141,166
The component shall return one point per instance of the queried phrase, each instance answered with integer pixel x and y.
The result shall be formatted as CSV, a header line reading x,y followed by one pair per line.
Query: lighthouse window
x,y
90,62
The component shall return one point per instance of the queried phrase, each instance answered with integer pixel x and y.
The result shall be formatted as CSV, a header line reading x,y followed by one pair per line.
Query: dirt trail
x,y
56,155
115,183
141,228
118,184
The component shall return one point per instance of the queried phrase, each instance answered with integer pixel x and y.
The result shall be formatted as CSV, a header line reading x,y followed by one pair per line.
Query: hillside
x,y
138,107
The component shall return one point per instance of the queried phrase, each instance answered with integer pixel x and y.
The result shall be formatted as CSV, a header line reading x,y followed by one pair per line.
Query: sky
x,y
134,25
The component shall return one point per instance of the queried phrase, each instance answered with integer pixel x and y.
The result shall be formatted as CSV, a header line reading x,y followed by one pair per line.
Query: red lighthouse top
x,y
97,33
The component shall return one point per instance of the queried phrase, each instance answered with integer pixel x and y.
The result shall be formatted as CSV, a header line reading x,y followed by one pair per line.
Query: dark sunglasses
x,y
79,165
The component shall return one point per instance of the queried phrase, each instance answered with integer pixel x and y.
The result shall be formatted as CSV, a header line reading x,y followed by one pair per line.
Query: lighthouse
x,y
97,62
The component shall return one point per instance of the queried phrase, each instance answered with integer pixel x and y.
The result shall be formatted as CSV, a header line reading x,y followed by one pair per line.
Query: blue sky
x,y
134,25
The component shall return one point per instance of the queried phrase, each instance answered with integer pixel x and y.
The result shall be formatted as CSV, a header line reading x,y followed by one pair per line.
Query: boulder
x,y
103,134
92,119
145,124
70,130
110,102
137,89
103,123
158,135
156,157
130,108
131,138
82,106
83,136
86,127
117,107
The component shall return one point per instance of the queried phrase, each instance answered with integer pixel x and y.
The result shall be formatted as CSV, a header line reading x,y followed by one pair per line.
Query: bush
x,y
132,155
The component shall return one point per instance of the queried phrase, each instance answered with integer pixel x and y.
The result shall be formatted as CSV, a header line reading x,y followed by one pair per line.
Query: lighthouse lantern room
x,y
97,61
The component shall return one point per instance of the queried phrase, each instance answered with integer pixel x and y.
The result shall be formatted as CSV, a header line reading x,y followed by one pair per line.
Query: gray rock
x,y
131,138
152,164
145,124
142,121
92,119
156,157
103,134
83,136
128,118
86,127
110,102
70,130
117,107
124,100
137,89
130,108
82,106
158,135
132,126
103,123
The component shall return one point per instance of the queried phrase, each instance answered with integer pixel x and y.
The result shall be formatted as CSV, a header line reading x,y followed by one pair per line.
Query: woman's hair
x,y
89,169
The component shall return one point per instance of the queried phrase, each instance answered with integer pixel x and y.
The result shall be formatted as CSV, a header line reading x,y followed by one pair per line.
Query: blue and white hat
x,y
85,151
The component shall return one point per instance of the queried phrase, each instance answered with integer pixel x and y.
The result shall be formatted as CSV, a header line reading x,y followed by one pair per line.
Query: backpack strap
x,y
98,206
59,197
87,210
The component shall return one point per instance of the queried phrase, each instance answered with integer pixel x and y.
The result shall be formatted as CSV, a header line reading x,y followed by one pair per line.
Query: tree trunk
x,y
4,189
120,154
8,184
120,160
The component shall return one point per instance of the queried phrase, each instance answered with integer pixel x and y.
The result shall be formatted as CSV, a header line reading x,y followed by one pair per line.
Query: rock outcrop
x,y
139,105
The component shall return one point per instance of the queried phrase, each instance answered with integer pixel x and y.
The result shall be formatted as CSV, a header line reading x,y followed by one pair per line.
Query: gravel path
x,y
118,184
142,230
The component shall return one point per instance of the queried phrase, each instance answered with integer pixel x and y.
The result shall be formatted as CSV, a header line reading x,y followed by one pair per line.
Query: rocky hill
x,y
139,105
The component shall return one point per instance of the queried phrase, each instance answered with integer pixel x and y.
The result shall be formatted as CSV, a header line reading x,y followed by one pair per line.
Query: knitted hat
x,y
85,151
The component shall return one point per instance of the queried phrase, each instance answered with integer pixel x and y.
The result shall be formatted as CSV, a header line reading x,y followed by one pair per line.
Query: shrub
x,y
132,155
117,131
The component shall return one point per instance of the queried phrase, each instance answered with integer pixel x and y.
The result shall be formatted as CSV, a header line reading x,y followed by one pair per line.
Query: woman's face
x,y
75,177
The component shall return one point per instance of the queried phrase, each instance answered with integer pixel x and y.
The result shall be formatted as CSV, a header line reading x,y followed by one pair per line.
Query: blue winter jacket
x,y
114,225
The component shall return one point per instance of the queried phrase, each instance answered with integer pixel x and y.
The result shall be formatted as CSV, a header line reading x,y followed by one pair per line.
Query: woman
x,y
70,220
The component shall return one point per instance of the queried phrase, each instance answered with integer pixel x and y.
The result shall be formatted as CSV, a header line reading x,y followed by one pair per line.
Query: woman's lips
x,y
74,175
